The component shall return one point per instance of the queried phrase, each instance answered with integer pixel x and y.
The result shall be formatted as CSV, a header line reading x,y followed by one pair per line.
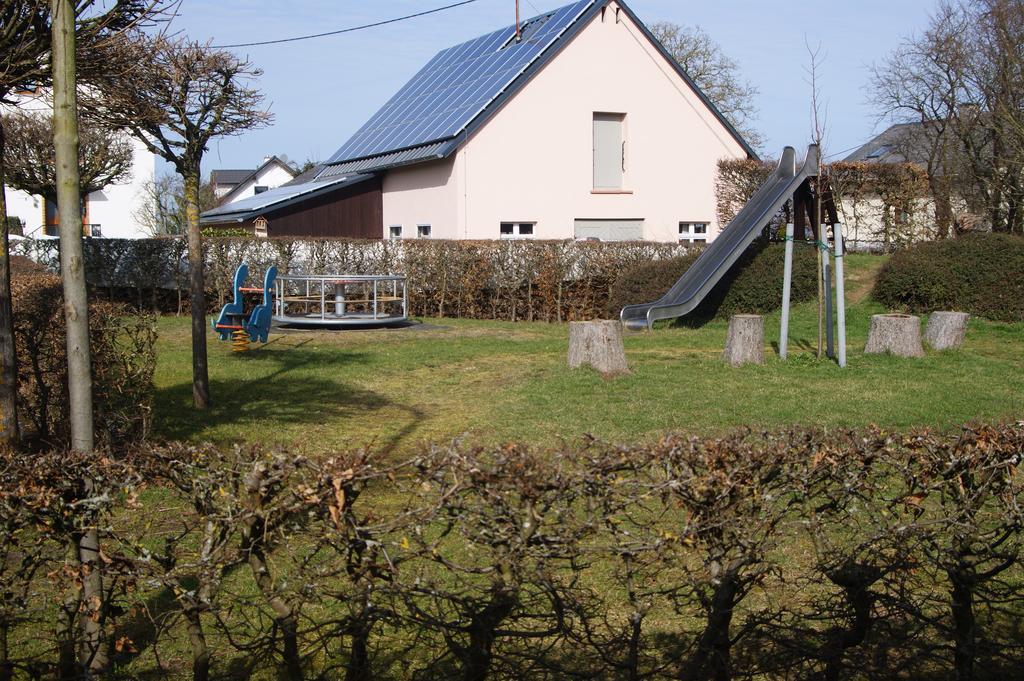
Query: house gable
x,y
431,115
533,159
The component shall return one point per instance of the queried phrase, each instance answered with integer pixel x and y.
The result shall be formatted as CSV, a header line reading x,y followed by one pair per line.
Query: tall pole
x,y
519,33
826,271
787,284
93,654
837,241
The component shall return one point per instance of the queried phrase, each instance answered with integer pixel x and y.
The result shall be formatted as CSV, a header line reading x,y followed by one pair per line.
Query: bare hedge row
x,y
793,555
533,280
123,357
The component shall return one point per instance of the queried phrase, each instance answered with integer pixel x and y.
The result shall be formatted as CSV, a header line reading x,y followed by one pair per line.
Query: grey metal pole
x,y
826,274
840,293
787,283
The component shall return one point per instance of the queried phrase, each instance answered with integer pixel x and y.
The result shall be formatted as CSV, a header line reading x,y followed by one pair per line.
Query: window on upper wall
x,y
395,231
693,232
423,231
516,230
609,151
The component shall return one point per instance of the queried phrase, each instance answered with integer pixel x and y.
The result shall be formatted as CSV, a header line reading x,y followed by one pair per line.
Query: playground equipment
x,y
338,301
234,323
785,184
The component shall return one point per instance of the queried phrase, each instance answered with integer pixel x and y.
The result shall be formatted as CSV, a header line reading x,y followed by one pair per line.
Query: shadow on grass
x,y
288,387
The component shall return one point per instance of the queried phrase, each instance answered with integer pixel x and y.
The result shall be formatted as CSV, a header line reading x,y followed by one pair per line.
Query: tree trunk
x,y
285,616
197,641
197,294
855,581
597,344
478,654
962,610
358,667
76,314
897,334
744,343
6,668
946,330
711,660
9,434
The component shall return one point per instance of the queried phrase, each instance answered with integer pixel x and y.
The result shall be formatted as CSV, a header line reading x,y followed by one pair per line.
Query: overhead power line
x,y
347,30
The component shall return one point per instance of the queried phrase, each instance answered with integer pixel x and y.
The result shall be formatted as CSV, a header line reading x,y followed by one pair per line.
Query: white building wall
x,y
533,161
114,209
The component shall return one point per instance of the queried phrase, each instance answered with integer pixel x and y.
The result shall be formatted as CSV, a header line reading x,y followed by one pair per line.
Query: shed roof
x,y
462,86
275,199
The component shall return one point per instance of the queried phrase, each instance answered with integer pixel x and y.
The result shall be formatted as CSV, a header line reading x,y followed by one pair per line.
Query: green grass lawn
x,y
499,381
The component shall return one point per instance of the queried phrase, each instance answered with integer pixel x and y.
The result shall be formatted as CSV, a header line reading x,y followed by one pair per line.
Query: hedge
x,y
783,555
522,279
123,358
753,285
980,273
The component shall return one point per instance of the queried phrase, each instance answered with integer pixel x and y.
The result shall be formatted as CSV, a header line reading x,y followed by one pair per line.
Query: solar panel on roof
x,y
456,85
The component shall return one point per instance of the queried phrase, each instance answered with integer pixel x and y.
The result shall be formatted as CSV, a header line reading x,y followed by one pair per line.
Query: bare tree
x,y
104,155
714,72
962,83
176,95
25,48
162,210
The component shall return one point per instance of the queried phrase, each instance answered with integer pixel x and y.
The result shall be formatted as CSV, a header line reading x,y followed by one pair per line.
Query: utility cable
x,y
347,30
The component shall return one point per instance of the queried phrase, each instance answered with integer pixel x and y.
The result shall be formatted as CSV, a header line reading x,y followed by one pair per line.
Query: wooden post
x,y
597,344
745,341
946,330
897,334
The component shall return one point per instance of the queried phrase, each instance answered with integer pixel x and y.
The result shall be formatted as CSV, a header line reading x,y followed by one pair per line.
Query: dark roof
x,y
900,143
464,85
273,160
275,199
223,177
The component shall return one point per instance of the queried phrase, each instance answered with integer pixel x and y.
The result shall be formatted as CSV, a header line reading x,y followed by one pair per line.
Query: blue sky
x,y
322,90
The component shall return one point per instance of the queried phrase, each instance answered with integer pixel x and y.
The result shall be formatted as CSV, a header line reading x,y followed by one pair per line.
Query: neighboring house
x,y
111,212
872,222
584,128
234,185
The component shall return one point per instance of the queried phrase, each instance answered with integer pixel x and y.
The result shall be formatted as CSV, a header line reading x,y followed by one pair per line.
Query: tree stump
x,y
745,341
897,334
946,330
597,344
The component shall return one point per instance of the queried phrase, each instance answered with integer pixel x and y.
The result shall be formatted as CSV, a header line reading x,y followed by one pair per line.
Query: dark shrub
x,y
123,360
978,273
753,284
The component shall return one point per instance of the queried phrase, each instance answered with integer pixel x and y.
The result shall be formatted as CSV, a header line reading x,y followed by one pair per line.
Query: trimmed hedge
x,y
753,285
123,359
982,274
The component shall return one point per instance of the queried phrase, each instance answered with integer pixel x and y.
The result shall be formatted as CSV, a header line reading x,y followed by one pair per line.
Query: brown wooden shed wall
x,y
355,212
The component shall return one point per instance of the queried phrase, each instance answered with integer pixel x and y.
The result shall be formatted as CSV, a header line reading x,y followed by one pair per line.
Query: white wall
x,y
114,208
533,161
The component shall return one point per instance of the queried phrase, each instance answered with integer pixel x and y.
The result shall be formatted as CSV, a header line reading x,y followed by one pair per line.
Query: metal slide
x,y
722,253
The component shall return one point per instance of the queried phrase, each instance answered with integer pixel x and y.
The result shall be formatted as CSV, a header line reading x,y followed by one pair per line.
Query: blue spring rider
x,y
233,322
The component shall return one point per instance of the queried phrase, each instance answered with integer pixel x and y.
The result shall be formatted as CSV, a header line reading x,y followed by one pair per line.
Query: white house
x,y
234,185
111,212
579,125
